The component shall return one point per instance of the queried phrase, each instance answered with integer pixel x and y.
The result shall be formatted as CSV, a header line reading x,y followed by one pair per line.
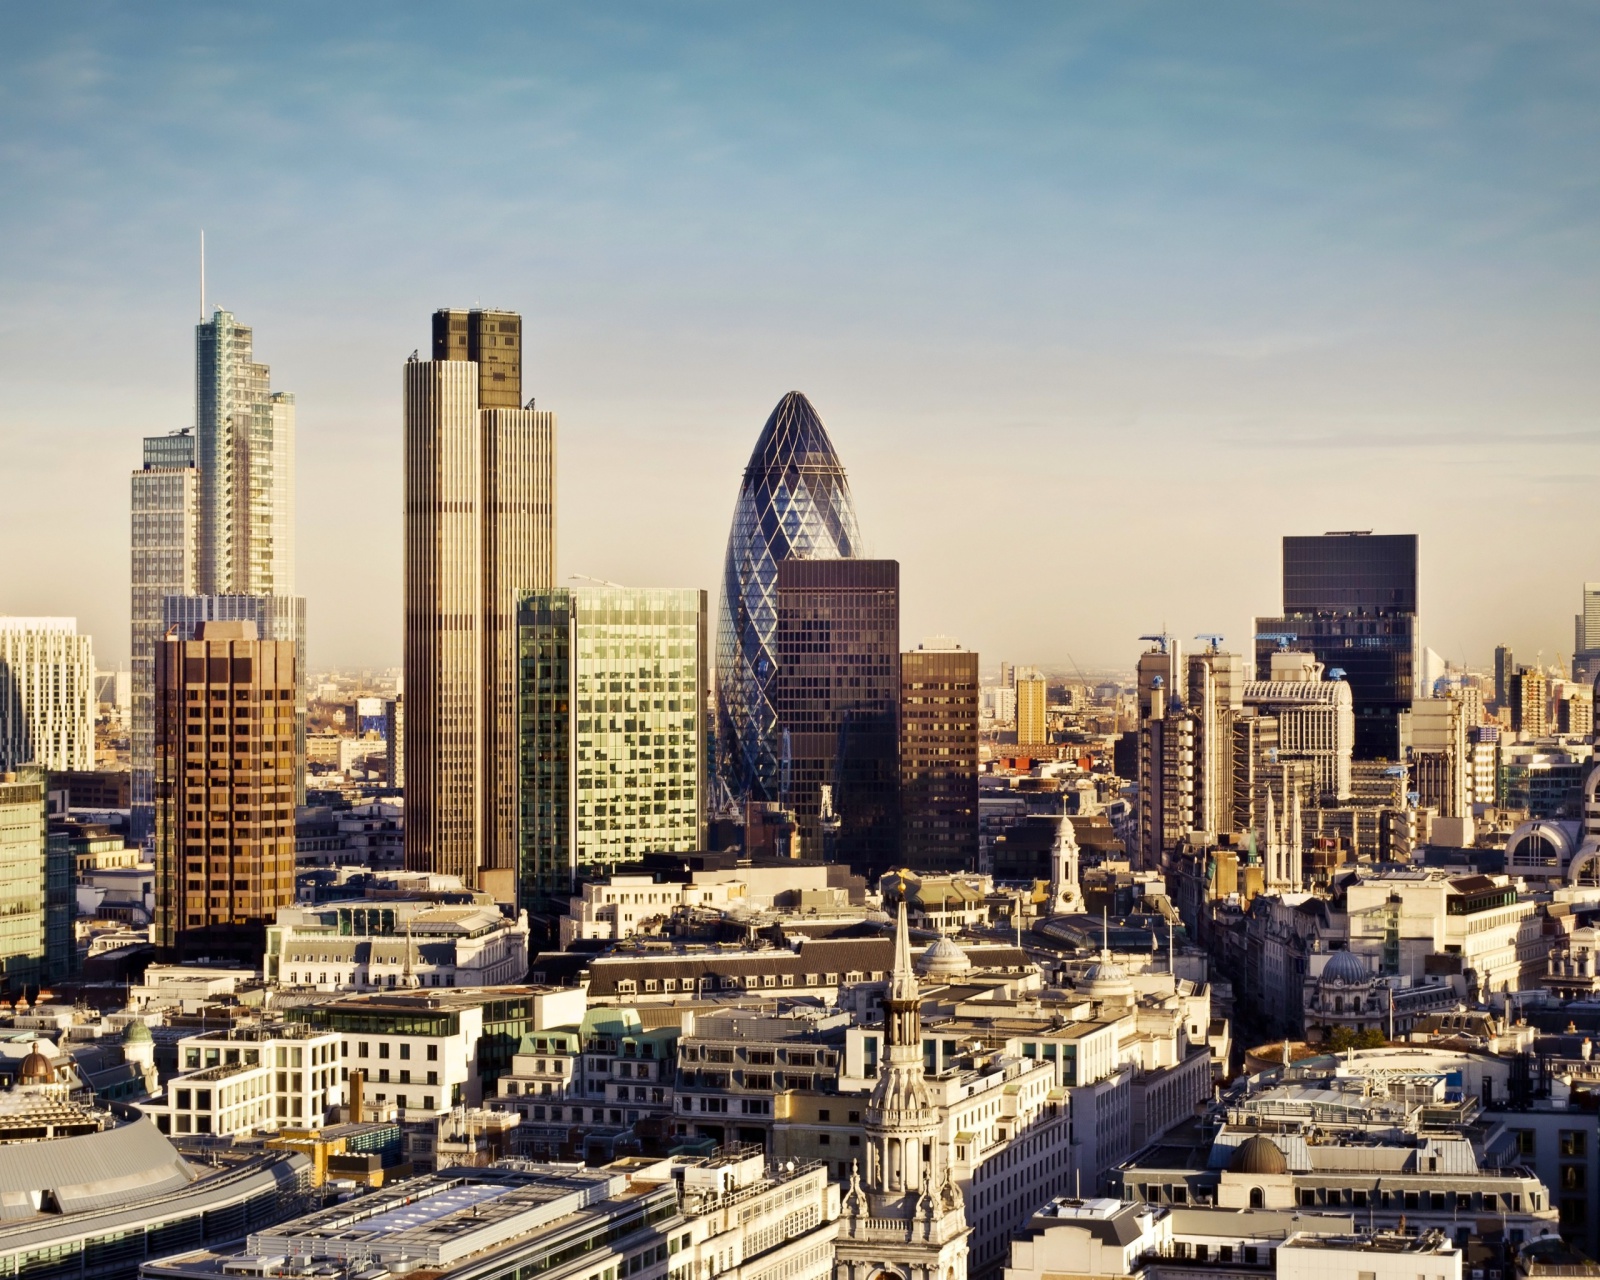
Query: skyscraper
x,y
225,766
46,694
480,530
794,503
612,686
166,561
838,702
244,434
244,545
1351,599
939,757
1505,666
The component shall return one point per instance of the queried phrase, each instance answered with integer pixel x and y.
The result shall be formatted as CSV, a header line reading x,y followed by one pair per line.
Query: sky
x,y
1097,301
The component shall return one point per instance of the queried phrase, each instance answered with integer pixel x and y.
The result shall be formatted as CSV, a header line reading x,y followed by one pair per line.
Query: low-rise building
x,y
373,944
252,1078
426,1052
730,1215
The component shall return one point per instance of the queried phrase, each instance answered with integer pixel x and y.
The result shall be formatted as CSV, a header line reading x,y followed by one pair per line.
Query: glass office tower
x,y
611,685
794,503
1351,599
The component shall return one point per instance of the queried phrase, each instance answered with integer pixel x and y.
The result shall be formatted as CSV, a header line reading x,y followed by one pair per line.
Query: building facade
x,y
838,701
612,684
480,529
279,618
47,702
794,503
225,807
166,561
939,758
24,884
1033,728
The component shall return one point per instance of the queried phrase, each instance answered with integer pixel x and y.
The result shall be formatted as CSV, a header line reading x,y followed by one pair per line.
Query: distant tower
x,y
907,1217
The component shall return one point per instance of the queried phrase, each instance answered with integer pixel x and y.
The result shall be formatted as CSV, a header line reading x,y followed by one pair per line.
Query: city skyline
x,y
1152,266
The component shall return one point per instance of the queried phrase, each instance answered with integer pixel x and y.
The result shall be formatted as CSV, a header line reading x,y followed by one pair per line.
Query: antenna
x,y
202,275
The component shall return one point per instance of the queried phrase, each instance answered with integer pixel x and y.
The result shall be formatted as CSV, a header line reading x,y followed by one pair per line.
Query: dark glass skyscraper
x,y
1351,599
838,702
794,503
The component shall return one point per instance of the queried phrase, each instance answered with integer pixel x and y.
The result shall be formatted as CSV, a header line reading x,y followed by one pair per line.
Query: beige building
x,y
224,786
480,528
1032,724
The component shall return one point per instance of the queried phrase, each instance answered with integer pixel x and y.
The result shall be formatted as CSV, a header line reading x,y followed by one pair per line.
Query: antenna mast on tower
x,y
202,274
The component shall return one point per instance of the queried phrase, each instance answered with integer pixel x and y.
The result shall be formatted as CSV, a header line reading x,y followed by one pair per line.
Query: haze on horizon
x,y
1097,302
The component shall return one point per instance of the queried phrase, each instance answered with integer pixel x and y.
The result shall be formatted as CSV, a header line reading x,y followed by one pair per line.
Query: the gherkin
x,y
794,503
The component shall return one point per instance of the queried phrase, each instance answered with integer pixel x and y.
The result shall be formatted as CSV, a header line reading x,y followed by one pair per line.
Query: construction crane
x,y
588,577
1284,638
1212,639
1163,640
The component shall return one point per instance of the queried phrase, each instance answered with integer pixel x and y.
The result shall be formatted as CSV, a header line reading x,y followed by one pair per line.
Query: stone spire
x,y
902,1212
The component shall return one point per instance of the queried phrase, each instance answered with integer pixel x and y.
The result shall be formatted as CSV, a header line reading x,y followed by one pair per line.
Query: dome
x,y
1105,981
36,1069
794,503
1258,1154
878,917
943,959
1347,968
136,1033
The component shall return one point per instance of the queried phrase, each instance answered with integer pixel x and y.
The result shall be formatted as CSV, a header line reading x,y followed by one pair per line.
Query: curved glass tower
x,y
794,503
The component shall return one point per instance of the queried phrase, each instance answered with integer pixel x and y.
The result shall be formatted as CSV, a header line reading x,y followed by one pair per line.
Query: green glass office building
x,y
612,691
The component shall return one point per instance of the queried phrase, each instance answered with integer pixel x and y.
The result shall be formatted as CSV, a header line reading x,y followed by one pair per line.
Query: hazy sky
x,y
1097,301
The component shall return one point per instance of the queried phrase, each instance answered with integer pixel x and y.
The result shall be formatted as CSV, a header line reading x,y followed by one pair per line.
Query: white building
x,y
1417,914
47,701
623,906
370,945
419,1051
250,1079
1102,1237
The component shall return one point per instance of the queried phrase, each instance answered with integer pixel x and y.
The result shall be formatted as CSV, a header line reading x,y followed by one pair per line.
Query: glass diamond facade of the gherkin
x,y
794,502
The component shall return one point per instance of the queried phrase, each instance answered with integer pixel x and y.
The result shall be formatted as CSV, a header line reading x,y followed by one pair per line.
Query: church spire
x,y
903,980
